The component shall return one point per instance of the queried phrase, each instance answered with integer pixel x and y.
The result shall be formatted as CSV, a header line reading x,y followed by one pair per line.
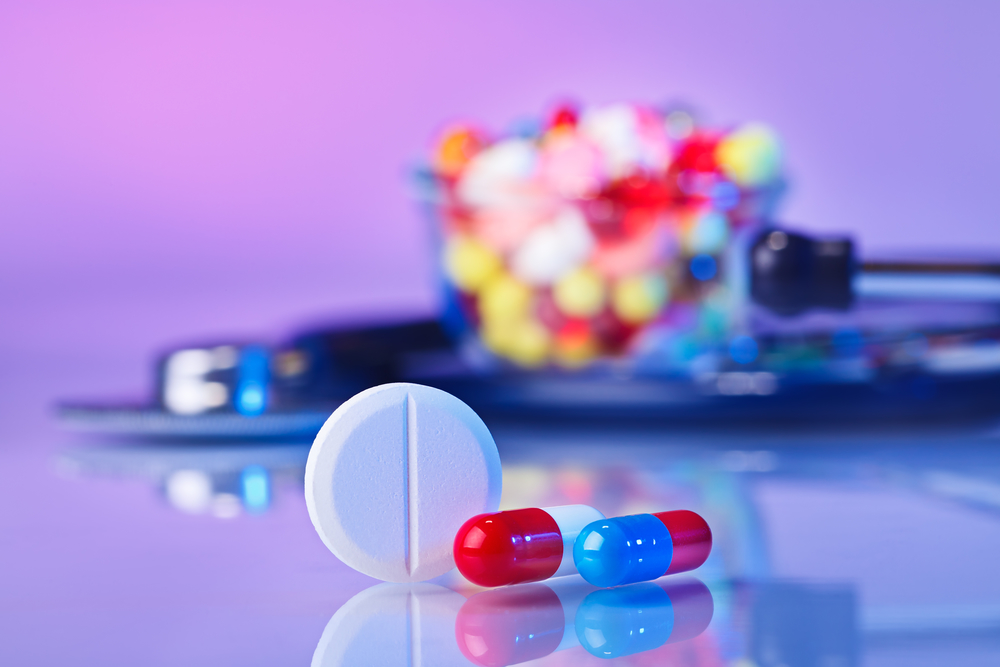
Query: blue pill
x,y
623,550
743,350
703,267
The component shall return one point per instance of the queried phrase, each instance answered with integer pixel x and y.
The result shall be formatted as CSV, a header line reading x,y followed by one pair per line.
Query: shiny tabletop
x,y
833,547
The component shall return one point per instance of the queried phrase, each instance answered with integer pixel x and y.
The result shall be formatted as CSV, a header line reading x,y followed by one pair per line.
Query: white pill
x,y
393,474
393,624
499,176
554,249
571,519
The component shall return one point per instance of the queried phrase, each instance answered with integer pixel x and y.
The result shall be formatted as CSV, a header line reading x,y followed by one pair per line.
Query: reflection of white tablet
x,y
393,624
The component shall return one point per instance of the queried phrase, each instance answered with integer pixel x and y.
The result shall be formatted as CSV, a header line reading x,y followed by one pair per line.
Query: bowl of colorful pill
x,y
599,233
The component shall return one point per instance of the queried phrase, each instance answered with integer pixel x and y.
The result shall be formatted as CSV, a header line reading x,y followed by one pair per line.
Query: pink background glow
x,y
171,171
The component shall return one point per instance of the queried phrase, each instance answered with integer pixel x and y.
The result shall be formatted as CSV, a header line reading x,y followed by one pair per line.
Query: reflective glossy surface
x,y
836,548
617,622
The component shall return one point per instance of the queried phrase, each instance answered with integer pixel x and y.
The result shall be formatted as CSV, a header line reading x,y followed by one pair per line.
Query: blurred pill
x,y
580,293
469,263
703,267
613,130
708,233
743,350
629,139
725,196
640,298
530,344
564,116
504,298
553,249
614,334
497,175
575,345
571,165
504,229
548,312
696,153
457,145
750,156
524,341
642,252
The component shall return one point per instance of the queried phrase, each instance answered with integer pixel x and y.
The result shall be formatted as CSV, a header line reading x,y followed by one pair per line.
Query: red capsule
x,y
509,547
522,545
691,536
565,115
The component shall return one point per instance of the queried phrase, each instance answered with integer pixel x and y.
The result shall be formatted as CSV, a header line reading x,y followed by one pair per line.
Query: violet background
x,y
201,168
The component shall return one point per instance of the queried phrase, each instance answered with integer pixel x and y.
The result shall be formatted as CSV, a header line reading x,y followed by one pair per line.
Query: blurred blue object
x,y
251,388
743,350
255,484
703,267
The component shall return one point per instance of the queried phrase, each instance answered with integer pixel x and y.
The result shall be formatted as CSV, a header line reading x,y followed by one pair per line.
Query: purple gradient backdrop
x,y
180,170
174,170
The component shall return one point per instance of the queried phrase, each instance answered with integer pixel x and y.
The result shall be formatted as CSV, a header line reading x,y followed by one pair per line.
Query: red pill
x,y
691,537
522,545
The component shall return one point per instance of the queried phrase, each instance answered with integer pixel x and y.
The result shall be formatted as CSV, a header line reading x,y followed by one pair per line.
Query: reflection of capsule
x,y
522,545
622,621
514,625
641,547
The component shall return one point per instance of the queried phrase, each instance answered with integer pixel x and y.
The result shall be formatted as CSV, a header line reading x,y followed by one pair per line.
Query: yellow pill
x,y
640,298
580,293
750,156
530,344
504,299
497,336
525,341
469,263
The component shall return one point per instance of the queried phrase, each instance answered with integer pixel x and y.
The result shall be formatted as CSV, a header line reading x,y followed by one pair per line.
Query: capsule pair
x,y
518,546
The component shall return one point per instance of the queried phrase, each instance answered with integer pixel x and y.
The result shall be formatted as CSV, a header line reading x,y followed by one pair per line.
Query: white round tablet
x,y
393,474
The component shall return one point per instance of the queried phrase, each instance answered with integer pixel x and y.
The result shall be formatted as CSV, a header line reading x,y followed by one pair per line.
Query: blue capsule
x,y
641,547
623,550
